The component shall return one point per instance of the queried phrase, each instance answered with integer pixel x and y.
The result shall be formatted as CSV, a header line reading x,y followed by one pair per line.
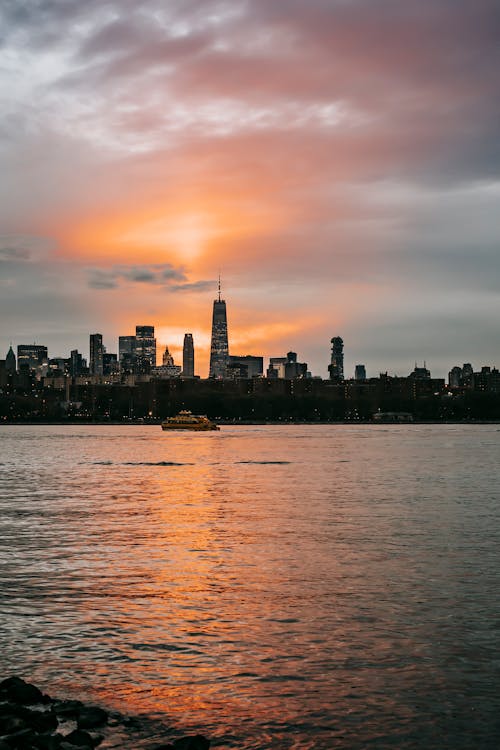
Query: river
x,y
312,586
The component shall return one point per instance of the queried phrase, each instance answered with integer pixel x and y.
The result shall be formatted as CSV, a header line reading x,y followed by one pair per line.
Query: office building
x,y
287,368
336,366
110,364
360,372
77,364
246,366
10,361
219,347
188,356
126,346
31,357
145,346
96,360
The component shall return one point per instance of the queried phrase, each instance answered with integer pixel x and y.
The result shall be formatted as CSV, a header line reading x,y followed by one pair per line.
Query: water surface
x,y
273,587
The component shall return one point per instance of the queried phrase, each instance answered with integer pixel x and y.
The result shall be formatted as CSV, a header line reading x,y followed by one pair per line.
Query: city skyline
x,y
339,161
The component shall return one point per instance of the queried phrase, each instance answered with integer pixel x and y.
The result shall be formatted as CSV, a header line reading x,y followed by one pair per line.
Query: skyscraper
x,y
336,366
360,372
145,344
96,361
31,356
219,348
188,356
10,361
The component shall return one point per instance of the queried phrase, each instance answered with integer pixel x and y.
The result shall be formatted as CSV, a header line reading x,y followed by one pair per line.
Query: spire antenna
x,y
219,286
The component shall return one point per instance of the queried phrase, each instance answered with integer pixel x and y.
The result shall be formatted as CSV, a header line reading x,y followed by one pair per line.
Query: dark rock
x,y
22,739
11,724
47,741
193,742
42,721
67,709
79,738
18,691
90,717
12,709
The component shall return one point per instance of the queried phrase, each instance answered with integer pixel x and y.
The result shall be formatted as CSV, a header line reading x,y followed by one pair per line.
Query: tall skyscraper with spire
x,y
219,348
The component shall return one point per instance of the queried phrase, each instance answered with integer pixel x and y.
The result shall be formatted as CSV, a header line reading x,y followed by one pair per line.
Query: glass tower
x,y
219,348
145,345
336,366
96,354
188,356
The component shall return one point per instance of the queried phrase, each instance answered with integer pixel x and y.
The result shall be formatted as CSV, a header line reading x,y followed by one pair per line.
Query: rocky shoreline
x,y
32,720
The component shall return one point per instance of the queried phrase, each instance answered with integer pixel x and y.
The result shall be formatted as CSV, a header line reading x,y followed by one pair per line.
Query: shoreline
x,y
247,423
32,719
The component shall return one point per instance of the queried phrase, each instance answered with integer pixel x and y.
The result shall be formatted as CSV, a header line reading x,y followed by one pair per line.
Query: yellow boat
x,y
186,420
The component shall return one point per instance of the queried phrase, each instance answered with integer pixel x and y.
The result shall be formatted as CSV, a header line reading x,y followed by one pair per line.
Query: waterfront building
x,y
287,368
126,345
31,357
188,356
467,370
360,372
10,361
77,364
167,359
145,346
110,364
455,377
276,369
57,366
246,366
219,347
166,371
96,359
420,373
336,366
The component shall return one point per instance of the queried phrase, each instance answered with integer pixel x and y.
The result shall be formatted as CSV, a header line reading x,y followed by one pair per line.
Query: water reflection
x,y
295,587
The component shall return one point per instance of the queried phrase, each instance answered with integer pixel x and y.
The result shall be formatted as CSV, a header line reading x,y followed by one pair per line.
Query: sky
x,y
336,161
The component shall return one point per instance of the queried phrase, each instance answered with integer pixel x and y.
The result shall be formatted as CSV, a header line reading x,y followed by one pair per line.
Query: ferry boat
x,y
186,420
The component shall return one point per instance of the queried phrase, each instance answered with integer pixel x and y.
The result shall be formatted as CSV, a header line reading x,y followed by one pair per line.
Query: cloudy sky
x,y
337,160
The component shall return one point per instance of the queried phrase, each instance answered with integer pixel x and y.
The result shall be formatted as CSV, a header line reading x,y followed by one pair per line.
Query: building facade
x,y
219,347
96,359
336,366
360,372
10,361
188,356
31,357
145,345
246,366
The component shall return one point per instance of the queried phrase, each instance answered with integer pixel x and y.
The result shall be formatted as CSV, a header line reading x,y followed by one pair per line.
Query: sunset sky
x,y
338,161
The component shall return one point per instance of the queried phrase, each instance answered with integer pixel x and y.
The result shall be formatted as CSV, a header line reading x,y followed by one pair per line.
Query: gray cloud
x,y
327,112
195,286
157,274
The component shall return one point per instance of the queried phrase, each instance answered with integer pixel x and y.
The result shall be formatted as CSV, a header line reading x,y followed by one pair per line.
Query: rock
x,y
42,721
22,739
193,742
67,709
90,717
79,738
47,741
18,691
12,724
